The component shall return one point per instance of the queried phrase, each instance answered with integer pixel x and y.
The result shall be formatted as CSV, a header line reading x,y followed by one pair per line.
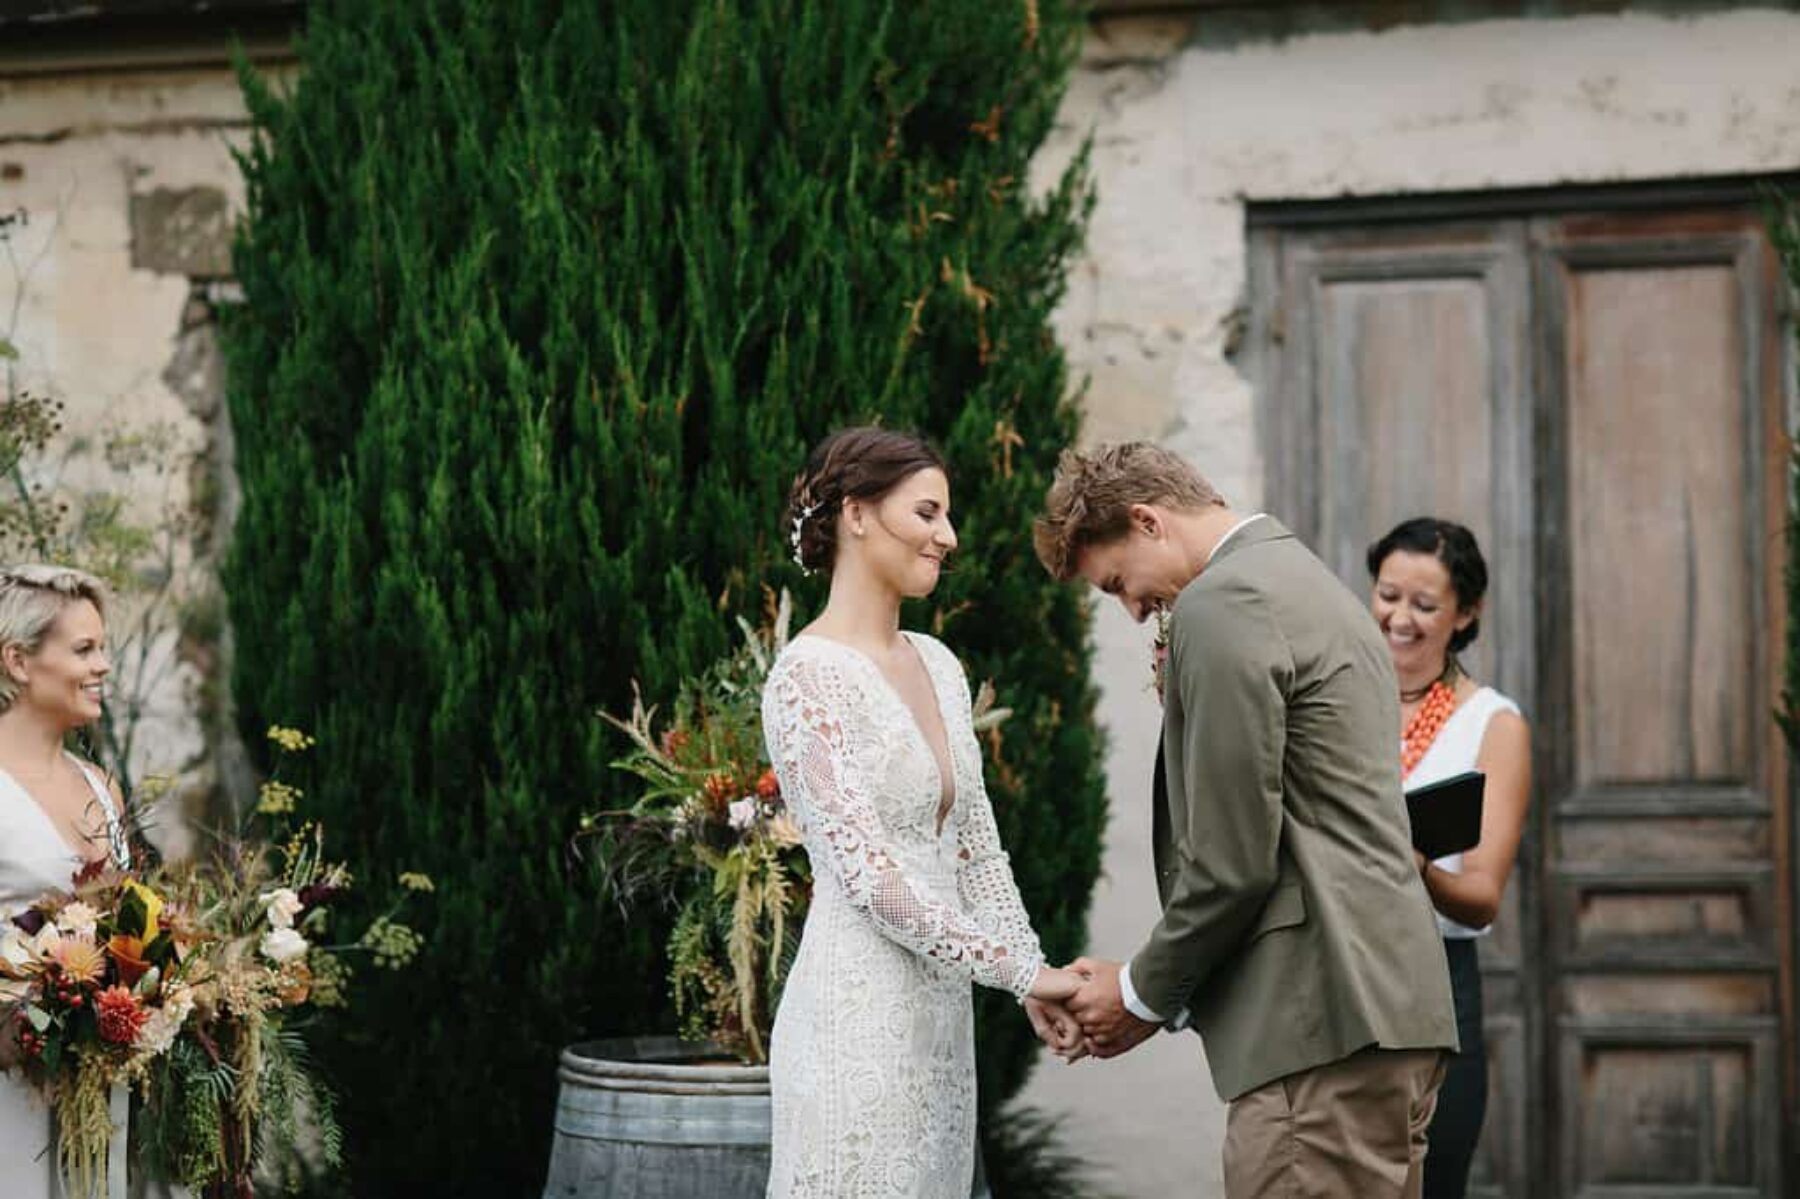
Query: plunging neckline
x,y
946,804
108,813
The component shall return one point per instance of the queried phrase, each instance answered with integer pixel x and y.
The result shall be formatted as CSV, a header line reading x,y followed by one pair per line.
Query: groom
x,y
1296,937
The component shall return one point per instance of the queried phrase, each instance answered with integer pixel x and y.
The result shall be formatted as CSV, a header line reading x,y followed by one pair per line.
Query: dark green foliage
x,y
1024,1158
544,301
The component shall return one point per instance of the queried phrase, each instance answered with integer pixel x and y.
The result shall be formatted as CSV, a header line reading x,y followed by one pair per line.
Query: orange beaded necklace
x,y
1423,728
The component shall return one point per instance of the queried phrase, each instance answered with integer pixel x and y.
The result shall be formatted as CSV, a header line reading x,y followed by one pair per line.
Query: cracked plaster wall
x,y
129,187
1187,124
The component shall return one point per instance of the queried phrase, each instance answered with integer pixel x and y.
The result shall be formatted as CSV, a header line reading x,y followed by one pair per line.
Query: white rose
x,y
78,918
281,905
741,814
283,945
163,1025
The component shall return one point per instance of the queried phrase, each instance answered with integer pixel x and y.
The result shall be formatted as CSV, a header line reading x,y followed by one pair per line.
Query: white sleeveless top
x,y
34,858
1453,751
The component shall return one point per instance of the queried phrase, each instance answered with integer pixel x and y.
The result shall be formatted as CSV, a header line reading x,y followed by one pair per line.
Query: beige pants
x,y
1352,1129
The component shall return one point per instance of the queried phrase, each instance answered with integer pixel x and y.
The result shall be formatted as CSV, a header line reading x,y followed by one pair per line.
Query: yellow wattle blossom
x,y
276,798
292,740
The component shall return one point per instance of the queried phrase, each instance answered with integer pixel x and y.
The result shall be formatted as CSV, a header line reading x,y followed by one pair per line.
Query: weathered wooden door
x,y
1596,386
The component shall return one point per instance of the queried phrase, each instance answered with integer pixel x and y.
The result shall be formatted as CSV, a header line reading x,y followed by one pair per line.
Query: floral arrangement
x,y
191,983
1159,652
709,833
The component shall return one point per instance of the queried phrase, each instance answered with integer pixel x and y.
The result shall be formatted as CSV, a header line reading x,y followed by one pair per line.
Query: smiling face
x,y
1144,570
1415,605
905,535
65,679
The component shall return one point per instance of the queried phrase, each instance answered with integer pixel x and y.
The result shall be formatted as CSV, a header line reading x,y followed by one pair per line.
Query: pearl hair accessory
x,y
799,522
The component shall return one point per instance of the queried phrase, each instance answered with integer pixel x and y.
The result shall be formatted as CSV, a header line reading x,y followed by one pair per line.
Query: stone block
x,y
185,231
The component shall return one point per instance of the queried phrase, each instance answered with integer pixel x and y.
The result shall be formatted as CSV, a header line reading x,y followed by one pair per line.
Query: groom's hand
x,y
1099,1007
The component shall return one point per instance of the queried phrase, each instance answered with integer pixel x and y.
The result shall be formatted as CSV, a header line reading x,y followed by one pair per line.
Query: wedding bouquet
x,y
710,833
191,981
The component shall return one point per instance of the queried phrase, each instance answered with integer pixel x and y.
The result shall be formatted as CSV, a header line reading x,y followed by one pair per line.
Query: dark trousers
x,y
1462,1100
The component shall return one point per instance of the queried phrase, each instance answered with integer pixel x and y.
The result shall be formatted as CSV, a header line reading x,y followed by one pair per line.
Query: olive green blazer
x,y
1295,929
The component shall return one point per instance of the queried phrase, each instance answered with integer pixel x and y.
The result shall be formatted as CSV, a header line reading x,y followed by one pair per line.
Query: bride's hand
x,y
1055,984
1054,1026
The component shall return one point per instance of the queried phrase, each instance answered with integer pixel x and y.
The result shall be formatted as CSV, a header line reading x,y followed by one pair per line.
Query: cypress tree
x,y
543,302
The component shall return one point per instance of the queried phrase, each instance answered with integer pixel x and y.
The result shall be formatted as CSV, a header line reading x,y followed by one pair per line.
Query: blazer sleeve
x,y
810,745
1234,673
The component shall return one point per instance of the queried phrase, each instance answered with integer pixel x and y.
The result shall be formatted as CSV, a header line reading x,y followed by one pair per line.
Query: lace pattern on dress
x,y
820,723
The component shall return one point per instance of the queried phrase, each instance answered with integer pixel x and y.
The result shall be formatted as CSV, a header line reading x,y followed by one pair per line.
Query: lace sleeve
x,y
984,877
809,745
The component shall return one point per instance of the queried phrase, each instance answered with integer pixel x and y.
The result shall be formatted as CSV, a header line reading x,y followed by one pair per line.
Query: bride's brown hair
x,y
859,463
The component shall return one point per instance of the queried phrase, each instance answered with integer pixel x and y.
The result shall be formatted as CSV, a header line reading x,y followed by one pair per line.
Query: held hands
x,y
1108,1028
1050,1020
1078,1011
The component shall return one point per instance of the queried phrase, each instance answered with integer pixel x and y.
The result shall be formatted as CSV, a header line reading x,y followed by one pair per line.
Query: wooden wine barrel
x,y
658,1118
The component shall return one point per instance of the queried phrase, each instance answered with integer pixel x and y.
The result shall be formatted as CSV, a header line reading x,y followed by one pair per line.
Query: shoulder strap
x,y
115,827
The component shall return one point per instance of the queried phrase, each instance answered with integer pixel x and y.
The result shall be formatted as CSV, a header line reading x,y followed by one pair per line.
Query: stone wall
x,y
1192,116
109,291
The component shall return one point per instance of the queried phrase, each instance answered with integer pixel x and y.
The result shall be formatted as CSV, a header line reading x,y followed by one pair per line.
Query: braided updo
x,y
859,463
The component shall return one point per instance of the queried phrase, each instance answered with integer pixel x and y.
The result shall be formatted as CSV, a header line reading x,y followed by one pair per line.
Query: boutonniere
x,y
1159,653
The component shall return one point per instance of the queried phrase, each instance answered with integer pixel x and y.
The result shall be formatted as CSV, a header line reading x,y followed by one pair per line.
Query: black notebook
x,y
1446,815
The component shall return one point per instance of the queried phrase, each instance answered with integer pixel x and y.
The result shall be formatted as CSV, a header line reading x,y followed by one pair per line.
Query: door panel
x,y
1663,686
1664,989
1598,395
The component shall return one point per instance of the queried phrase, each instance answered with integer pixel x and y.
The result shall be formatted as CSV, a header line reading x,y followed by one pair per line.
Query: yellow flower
x,y
292,740
153,905
414,880
276,798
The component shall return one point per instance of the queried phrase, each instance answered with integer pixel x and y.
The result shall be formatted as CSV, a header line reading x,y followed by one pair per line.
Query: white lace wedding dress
x,y
35,858
872,1059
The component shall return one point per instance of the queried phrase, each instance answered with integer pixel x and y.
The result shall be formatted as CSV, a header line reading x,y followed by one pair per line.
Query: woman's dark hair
x,y
1451,544
859,463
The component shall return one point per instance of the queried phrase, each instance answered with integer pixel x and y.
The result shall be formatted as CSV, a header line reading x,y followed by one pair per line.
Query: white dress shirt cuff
x,y
1133,1004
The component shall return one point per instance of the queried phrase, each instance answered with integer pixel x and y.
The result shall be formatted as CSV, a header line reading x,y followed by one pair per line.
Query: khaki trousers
x,y
1350,1129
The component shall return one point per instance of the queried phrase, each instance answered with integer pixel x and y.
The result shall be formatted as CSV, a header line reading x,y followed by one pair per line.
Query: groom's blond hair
x,y
1091,497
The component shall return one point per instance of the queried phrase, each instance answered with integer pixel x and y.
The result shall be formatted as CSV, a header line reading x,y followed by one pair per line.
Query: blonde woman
x,y
57,813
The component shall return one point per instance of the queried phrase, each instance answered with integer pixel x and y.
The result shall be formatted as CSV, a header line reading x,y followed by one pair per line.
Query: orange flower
x,y
128,956
293,982
768,786
120,1015
719,791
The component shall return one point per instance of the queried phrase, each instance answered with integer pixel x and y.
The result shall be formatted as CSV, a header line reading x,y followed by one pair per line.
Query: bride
x,y
56,813
872,1061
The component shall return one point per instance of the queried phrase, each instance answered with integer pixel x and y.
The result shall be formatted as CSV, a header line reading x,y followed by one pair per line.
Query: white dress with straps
x,y
34,859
